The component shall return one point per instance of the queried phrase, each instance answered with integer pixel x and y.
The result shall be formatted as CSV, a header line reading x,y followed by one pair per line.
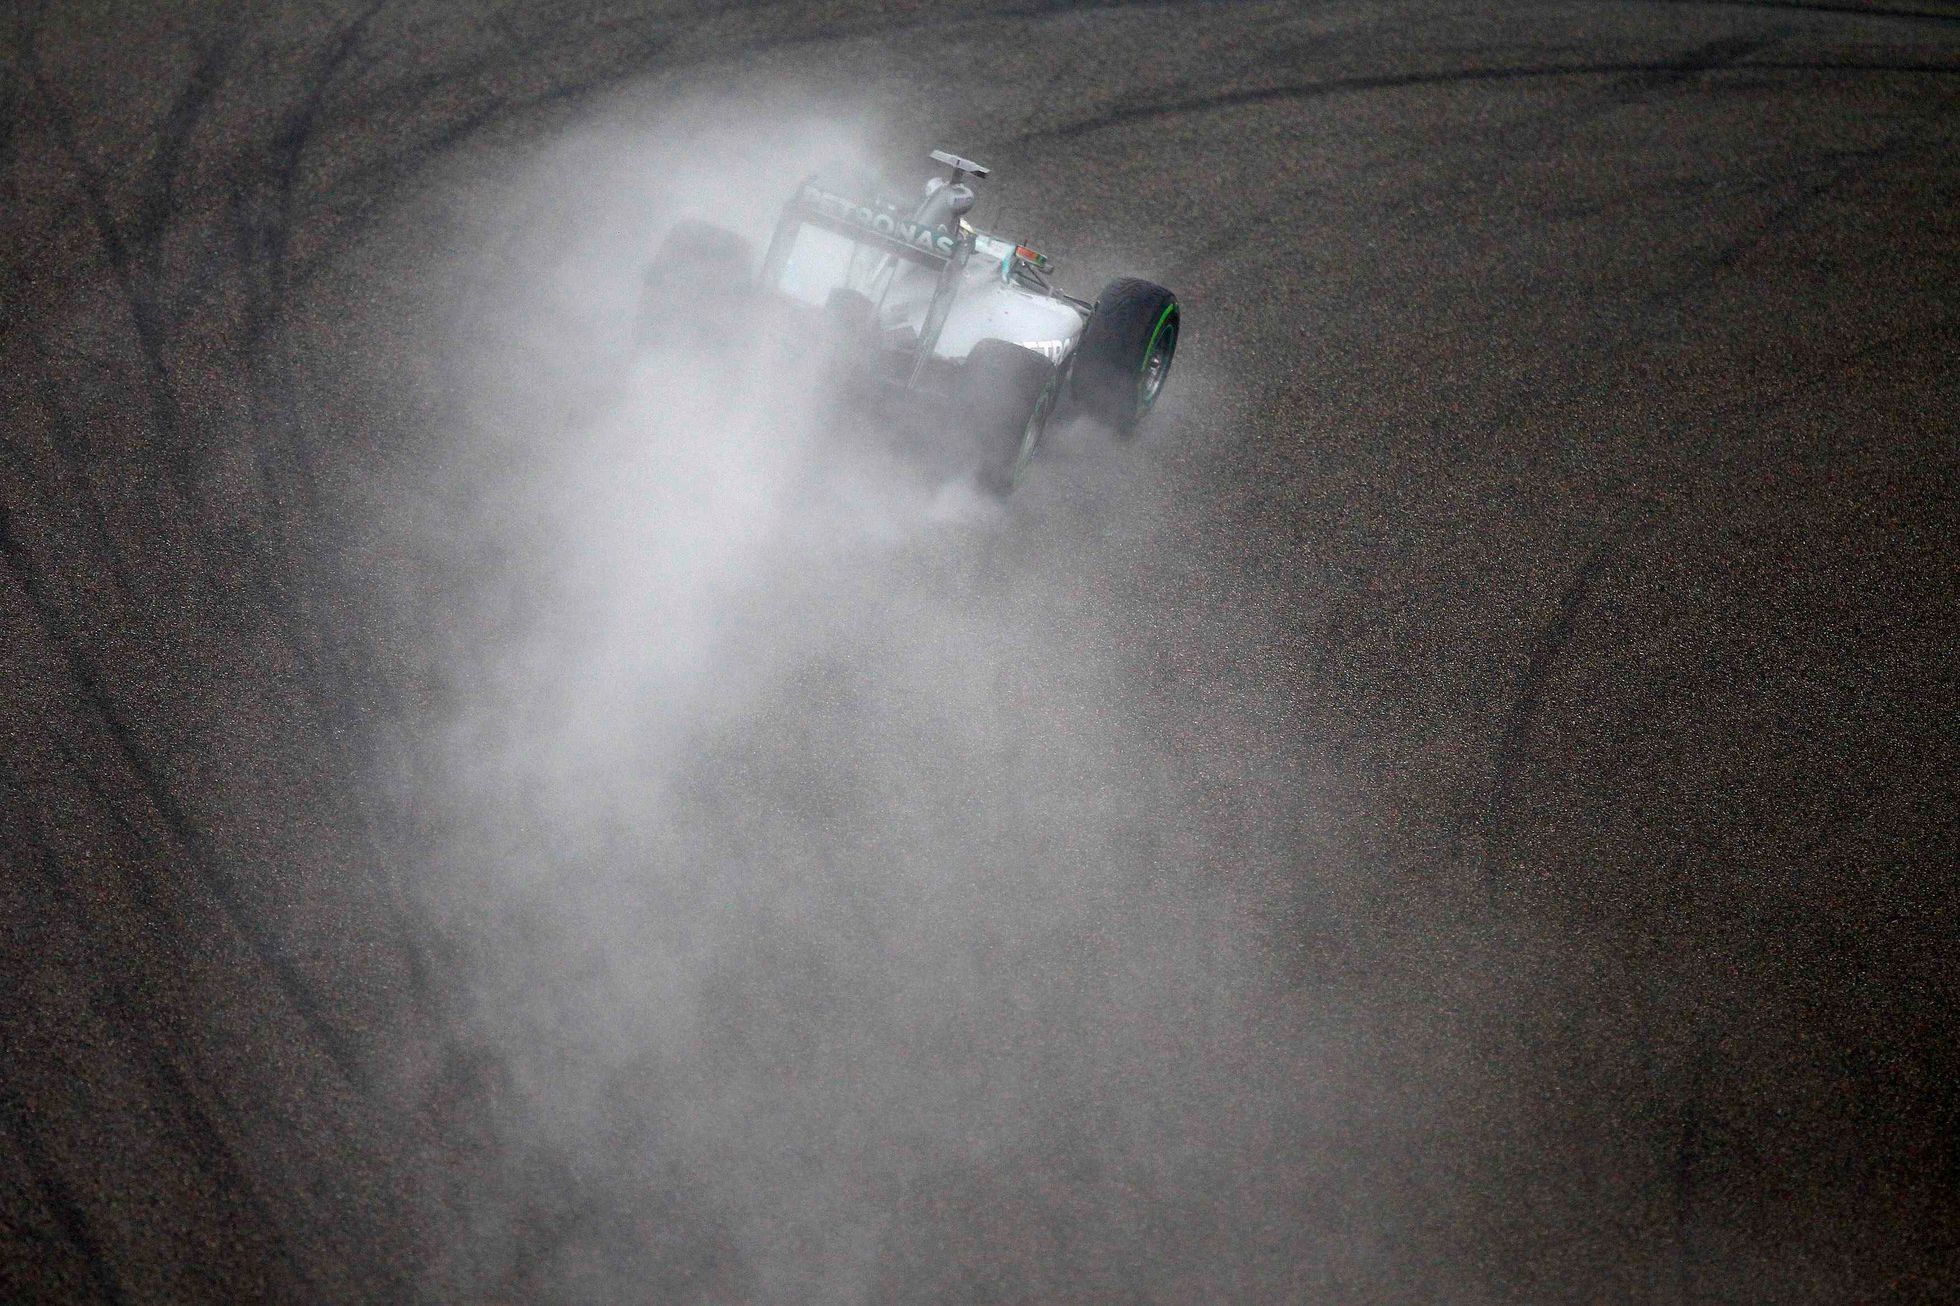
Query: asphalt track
x,y
1559,481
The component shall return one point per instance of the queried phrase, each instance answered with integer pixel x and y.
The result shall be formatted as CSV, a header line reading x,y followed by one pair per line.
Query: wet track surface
x,y
1461,810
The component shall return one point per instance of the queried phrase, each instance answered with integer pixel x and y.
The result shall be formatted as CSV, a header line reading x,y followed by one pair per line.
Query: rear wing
x,y
877,223
882,226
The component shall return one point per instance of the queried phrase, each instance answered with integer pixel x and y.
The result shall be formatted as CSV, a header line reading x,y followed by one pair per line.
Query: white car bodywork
x,y
996,305
1000,292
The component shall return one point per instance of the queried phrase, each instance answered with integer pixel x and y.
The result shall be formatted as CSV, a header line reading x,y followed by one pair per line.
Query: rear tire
x,y
1005,396
697,275
1125,354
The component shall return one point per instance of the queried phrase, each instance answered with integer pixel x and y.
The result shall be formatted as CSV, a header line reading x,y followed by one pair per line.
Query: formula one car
x,y
933,309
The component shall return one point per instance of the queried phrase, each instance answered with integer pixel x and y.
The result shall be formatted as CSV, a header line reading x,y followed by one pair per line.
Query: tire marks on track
x,y
297,207
178,826
1365,84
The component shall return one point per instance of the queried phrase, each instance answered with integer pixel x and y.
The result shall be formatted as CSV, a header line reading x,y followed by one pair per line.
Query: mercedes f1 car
x,y
932,308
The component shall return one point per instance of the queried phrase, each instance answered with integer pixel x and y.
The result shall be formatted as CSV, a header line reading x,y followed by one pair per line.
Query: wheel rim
x,y
1031,433
1157,359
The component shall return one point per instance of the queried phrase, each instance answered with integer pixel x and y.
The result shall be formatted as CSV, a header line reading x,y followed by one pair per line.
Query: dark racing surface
x,y
1461,809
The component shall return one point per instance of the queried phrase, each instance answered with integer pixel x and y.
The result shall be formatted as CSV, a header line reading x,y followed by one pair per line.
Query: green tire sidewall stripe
x,y
1156,331
1143,368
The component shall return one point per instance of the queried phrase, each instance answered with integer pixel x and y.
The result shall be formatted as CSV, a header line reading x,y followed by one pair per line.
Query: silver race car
x,y
927,306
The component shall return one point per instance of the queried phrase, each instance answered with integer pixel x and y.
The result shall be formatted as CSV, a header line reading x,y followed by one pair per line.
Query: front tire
x,y
1005,395
1126,351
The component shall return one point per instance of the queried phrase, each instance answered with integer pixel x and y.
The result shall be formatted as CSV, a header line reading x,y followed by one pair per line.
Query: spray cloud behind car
x,y
836,916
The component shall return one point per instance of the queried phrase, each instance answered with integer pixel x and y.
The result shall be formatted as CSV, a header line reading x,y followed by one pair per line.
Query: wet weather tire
x,y
697,275
1004,398
1126,351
